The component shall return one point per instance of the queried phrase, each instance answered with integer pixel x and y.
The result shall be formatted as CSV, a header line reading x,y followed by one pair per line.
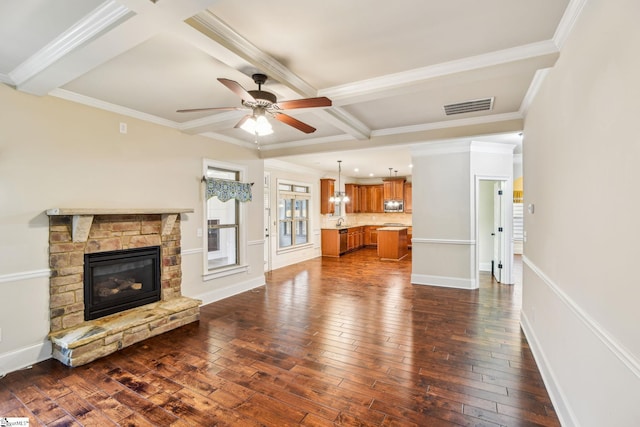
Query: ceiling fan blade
x,y
321,101
294,123
237,89
191,110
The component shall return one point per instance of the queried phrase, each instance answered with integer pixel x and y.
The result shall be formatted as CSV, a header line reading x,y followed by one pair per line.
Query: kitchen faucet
x,y
339,223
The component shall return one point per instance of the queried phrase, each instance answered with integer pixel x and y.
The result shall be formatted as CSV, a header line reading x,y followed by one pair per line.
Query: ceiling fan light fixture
x,y
257,126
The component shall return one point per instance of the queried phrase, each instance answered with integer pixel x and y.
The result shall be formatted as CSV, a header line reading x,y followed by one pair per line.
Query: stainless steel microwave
x,y
394,206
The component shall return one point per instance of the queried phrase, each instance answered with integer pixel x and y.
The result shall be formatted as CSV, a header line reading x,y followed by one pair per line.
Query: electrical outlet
x,y
199,232
123,127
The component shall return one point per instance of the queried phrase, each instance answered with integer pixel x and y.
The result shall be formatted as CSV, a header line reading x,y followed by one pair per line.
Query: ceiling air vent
x,y
469,106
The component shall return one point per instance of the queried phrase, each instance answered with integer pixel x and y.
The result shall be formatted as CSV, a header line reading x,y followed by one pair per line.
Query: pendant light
x,y
339,196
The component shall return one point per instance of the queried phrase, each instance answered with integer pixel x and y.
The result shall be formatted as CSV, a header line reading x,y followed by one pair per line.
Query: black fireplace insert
x,y
115,281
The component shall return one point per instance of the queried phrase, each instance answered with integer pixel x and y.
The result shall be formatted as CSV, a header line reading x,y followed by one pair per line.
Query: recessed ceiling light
x,y
371,174
410,166
356,170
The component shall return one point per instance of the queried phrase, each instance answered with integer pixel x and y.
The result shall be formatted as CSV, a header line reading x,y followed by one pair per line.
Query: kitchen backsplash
x,y
329,221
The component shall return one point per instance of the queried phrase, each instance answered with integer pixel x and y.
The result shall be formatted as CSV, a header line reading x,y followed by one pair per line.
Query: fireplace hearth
x,y
115,281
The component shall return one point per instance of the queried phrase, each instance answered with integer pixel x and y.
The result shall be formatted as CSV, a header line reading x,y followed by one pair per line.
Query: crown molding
x,y
532,91
365,89
283,165
118,109
230,140
220,32
569,18
100,19
437,148
4,78
194,126
448,124
491,147
338,117
306,142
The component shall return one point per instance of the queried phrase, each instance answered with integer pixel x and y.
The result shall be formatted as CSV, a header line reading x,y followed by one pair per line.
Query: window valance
x,y
225,190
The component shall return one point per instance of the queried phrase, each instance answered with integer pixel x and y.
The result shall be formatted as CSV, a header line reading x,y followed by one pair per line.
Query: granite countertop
x,y
393,228
342,227
382,227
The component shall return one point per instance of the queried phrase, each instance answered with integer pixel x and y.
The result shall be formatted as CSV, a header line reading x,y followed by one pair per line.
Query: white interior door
x,y
267,222
498,230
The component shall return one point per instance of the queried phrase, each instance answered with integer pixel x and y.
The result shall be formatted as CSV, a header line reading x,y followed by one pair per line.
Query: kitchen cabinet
x,y
355,238
353,192
369,199
327,190
409,235
393,189
364,192
371,235
392,243
336,242
330,242
375,201
408,188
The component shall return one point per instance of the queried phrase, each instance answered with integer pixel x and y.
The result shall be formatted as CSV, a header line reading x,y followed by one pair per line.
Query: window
x,y
293,215
223,237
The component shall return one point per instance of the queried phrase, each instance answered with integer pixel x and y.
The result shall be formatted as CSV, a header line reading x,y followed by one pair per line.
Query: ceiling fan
x,y
263,103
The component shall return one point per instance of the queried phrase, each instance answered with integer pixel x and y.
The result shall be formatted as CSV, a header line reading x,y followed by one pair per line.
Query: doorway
x,y
494,227
267,222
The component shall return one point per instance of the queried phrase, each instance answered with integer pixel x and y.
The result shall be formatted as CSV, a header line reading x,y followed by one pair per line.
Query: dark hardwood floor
x,y
345,341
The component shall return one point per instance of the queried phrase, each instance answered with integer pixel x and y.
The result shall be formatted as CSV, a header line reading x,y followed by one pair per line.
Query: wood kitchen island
x,y
393,243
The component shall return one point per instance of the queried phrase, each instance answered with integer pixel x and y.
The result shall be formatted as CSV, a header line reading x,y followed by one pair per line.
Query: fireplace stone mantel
x,y
82,218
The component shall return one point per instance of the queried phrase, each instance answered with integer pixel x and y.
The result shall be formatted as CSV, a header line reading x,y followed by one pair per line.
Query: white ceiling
x,y
388,67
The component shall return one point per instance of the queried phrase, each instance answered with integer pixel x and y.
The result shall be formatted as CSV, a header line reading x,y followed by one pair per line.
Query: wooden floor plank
x,y
346,341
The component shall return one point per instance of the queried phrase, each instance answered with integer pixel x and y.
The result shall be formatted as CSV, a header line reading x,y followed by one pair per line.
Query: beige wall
x,y
444,208
441,216
55,153
581,171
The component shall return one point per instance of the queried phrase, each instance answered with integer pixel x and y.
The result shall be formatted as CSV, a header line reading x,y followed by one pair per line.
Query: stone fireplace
x,y
115,248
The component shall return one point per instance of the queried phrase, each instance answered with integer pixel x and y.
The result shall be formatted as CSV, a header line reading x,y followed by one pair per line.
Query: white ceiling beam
x,y
399,83
106,15
212,123
221,33
111,30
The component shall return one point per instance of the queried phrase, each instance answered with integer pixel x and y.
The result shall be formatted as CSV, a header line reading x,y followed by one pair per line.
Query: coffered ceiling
x,y
388,67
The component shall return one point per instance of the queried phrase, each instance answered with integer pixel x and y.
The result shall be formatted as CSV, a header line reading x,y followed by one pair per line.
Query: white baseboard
x,y
565,415
485,266
24,357
443,281
229,291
